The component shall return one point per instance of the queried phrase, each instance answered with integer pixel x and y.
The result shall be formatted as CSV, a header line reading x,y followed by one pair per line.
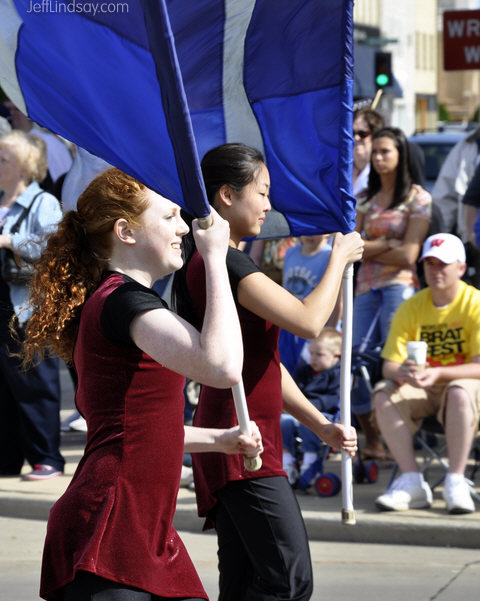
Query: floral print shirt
x,y
381,224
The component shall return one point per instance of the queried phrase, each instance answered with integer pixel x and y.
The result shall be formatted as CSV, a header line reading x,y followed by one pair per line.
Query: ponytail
x,y
66,274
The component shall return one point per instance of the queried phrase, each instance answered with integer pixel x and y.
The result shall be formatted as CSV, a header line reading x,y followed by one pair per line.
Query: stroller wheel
x,y
359,474
371,472
328,485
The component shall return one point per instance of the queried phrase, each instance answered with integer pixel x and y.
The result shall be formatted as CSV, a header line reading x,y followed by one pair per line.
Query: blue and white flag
x,y
150,85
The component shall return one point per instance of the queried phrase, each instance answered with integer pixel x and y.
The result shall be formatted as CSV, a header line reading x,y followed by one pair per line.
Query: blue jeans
x,y
29,406
310,441
289,426
292,428
385,302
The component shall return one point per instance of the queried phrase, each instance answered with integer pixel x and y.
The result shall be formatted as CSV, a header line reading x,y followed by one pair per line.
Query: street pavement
x,y
342,571
322,515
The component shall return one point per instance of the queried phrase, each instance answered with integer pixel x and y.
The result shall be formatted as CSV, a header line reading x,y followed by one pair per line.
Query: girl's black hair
x,y
404,180
235,165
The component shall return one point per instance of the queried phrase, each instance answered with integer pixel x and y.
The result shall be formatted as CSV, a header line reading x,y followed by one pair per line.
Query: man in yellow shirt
x,y
446,315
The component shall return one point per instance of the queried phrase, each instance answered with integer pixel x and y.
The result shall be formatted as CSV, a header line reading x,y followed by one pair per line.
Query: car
x,y
436,147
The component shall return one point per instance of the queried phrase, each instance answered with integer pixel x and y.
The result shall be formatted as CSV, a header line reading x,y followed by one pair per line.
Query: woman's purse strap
x,y
16,226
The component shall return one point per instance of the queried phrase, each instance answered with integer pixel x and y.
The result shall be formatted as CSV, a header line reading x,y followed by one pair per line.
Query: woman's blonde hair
x,y
71,266
31,153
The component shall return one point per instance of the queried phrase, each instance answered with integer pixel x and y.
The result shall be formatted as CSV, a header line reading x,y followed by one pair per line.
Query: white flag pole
x,y
348,513
252,464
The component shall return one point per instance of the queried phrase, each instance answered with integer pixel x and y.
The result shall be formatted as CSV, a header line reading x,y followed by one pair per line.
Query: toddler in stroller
x,y
319,379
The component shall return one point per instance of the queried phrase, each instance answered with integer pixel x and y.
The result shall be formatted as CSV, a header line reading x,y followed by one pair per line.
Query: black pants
x,y
29,407
263,548
89,587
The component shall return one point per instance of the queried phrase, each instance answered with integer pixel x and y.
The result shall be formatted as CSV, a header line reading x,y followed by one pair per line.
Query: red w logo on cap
x,y
437,242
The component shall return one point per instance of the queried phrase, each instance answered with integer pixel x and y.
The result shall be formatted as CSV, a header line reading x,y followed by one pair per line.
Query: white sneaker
x,y
65,425
79,425
186,479
408,491
457,495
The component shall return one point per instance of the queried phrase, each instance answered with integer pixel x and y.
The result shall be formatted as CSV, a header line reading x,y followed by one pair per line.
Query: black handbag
x,y
14,269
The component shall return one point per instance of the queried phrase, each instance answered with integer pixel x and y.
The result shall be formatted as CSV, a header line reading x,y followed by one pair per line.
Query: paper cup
x,y
417,351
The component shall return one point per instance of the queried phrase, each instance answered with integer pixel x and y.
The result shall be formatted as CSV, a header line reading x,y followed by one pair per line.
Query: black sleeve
x,y
472,195
123,304
239,265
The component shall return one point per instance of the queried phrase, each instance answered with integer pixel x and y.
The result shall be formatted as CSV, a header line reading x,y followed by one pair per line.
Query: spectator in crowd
x,y
263,549
471,224
366,122
446,315
452,182
59,158
319,380
110,536
471,204
85,168
393,216
29,400
303,268
270,255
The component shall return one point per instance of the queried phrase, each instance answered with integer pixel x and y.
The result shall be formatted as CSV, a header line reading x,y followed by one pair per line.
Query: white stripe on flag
x,y
10,23
240,122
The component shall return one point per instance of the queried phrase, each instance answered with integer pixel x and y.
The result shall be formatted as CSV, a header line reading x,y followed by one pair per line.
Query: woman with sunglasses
x,y
393,216
366,122
263,547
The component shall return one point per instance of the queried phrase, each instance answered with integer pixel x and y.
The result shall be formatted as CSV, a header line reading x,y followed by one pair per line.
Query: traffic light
x,y
383,69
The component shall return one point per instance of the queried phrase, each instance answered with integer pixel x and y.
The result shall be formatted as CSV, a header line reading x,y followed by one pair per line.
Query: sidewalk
x,y
33,500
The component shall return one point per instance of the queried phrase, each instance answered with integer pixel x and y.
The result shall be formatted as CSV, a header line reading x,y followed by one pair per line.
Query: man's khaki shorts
x,y
415,404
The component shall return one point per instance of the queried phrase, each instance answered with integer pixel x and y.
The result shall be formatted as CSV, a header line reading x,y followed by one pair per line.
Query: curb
x,y
385,530
322,516
381,528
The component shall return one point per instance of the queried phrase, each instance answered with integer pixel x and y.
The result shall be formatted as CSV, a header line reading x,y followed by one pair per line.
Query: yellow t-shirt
x,y
452,332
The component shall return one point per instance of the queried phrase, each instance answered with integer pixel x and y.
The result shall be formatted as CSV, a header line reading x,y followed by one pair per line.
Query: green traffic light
x,y
382,79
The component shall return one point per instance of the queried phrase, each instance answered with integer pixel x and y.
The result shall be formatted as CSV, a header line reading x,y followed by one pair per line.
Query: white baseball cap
x,y
447,248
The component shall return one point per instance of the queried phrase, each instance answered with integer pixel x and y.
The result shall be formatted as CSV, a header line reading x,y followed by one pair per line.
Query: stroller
x,y
327,483
366,368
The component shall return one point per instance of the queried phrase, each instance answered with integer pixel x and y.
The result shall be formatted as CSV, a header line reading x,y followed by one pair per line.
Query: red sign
x,y
461,40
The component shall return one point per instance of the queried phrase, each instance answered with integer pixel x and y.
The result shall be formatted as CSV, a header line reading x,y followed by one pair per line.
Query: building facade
x,y
408,30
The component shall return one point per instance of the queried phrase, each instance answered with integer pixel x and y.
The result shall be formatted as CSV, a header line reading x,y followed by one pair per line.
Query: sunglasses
x,y
361,133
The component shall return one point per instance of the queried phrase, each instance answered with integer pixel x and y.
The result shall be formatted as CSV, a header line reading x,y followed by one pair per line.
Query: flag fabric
x,y
150,85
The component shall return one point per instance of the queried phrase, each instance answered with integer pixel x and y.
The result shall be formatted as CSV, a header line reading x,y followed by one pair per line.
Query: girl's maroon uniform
x,y
262,382
115,518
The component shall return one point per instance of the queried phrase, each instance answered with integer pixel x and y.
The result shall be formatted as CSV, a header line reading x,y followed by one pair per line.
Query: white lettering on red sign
x,y
469,28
